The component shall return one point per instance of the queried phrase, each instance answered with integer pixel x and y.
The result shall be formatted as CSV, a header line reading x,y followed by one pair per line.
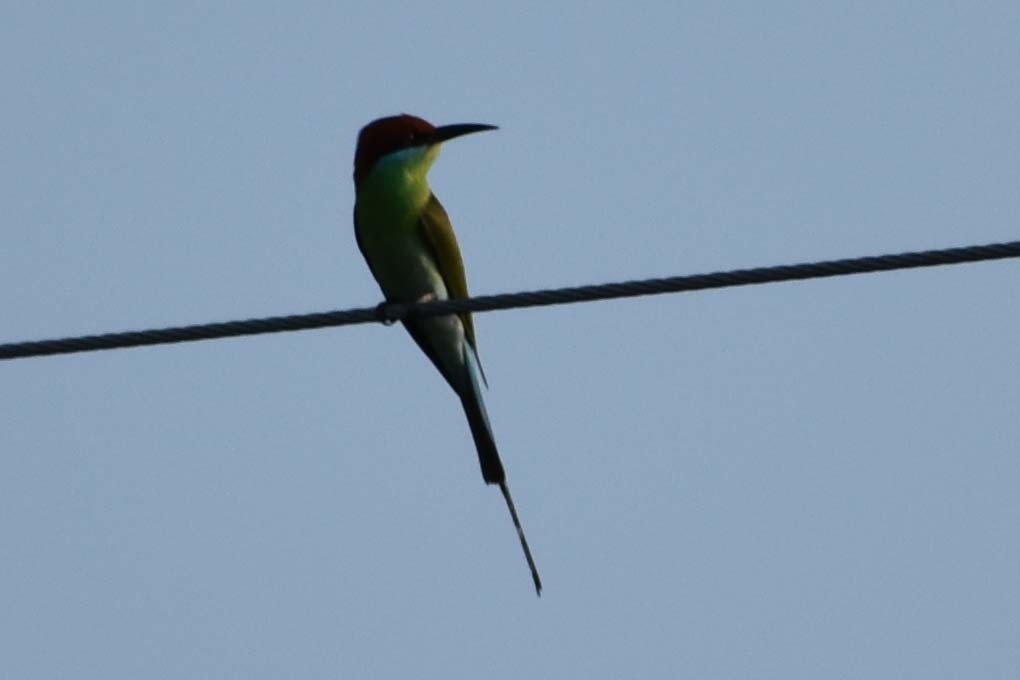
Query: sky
x,y
799,480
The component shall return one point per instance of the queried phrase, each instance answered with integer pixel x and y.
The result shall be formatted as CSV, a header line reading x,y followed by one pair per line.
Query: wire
x,y
390,312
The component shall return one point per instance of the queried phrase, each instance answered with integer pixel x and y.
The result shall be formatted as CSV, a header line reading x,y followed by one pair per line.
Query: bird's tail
x,y
478,420
488,456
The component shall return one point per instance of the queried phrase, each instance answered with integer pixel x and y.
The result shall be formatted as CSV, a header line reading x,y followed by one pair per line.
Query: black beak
x,y
445,133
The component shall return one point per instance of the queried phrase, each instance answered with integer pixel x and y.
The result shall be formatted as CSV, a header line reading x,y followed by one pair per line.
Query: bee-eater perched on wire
x,y
408,241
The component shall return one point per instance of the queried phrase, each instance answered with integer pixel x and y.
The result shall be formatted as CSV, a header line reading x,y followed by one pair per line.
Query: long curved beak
x,y
445,133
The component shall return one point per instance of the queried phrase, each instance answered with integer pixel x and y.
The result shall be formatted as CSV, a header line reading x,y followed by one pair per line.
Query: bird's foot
x,y
388,313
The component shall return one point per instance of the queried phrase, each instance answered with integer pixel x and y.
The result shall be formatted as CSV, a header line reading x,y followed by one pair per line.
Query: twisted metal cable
x,y
390,312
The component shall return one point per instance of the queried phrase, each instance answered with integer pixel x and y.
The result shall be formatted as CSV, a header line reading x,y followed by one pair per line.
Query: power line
x,y
392,312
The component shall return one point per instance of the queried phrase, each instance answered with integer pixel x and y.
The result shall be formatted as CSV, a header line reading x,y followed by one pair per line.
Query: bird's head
x,y
404,139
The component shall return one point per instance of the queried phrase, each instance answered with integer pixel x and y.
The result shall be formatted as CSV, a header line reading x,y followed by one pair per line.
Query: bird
x,y
406,237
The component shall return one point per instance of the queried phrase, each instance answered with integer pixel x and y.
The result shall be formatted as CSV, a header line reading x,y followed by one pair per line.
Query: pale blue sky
x,y
805,480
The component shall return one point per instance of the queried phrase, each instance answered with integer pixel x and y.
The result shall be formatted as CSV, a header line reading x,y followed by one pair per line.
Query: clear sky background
x,y
804,480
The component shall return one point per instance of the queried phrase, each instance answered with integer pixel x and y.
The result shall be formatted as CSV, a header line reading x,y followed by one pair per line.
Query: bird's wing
x,y
442,243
